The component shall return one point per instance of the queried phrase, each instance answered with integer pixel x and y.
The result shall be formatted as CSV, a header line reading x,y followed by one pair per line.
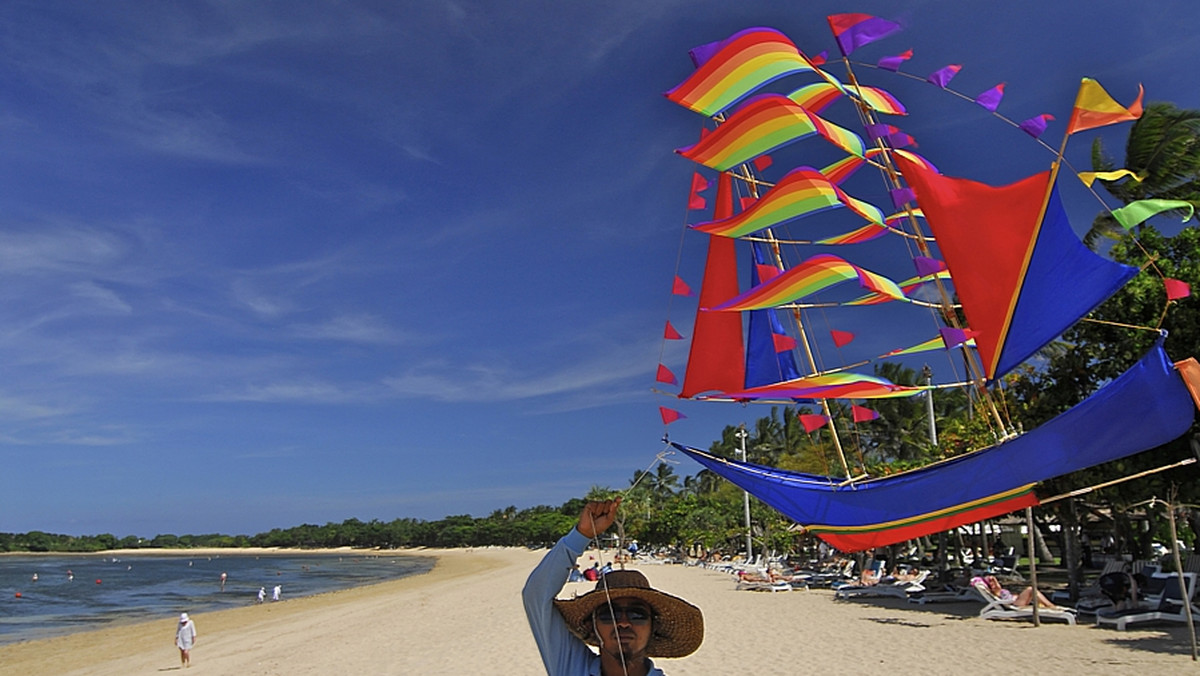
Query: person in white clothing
x,y
185,638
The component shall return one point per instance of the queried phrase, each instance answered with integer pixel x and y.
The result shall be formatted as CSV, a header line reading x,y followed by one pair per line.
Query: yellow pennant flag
x,y
1095,108
1089,177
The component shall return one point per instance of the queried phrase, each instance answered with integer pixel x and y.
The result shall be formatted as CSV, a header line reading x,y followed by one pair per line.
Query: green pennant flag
x,y
1137,212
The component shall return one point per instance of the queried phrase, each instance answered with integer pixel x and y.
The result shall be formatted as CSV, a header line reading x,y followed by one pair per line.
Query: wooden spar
x,y
1106,484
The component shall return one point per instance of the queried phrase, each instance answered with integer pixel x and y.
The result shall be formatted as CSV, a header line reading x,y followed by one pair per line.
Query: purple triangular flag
x,y
901,196
703,53
878,131
991,98
1036,125
893,63
952,337
943,76
928,266
855,30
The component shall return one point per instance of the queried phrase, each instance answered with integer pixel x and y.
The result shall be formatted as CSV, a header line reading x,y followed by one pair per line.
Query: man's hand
x,y
597,516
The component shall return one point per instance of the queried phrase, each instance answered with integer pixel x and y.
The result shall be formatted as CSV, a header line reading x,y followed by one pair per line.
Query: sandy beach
x,y
465,616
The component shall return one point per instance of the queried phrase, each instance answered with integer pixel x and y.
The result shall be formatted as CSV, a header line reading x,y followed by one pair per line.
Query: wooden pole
x,y
1187,601
1032,565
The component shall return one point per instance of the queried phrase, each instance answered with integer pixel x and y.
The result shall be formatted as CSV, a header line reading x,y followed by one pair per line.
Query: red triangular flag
x,y
841,338
762,162
783,343
670,333
680,287
669,415
862,414
665,376
766,272
812,421
696,200
748,202
1177,288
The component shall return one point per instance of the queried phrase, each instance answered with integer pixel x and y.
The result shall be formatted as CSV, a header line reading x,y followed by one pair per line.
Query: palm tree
x,y
1163,149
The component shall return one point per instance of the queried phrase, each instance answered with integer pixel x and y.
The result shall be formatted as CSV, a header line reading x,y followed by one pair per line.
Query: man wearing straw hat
x,y
627,619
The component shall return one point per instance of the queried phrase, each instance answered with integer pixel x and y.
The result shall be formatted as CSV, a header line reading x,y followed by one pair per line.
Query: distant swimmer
x,y
70,575
224,576
35,577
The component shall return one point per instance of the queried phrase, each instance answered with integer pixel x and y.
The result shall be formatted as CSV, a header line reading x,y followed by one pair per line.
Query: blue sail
x,y
1145,407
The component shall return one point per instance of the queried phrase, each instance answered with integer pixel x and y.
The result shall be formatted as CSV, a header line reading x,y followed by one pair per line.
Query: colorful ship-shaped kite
x,y
1004,258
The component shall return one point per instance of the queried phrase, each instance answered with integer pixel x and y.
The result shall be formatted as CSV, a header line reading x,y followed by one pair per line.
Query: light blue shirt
x,y
563,653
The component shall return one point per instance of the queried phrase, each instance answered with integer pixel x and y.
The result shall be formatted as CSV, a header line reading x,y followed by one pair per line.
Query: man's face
x,y
624,628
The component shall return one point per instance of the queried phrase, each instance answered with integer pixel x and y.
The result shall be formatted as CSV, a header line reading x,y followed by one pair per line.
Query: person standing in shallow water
x,y
624,616
185,638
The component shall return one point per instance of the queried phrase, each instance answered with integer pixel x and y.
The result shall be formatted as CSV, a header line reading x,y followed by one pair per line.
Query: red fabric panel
x,y
862,541
985,235
717,359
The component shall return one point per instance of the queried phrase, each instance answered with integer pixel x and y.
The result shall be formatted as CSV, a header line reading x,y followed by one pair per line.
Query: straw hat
x,y
678,626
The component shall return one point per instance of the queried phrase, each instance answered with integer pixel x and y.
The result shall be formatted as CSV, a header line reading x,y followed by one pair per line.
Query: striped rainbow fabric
x,y
830,386
866,233
803,191
907,286
764,123
815,274
741,65
817,96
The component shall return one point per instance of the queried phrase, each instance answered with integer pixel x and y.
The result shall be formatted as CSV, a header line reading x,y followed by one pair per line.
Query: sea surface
x,y
83,592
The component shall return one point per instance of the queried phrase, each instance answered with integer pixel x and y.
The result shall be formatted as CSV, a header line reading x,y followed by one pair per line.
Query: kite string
x,y
660,457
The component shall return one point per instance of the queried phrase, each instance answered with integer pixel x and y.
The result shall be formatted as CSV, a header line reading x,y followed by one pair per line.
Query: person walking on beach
x,y
262,594
185,638
627,619
276,592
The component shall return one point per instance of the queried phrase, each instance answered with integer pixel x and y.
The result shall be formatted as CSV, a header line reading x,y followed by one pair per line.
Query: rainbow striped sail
x,y
763,124
740,66
815,274
802,192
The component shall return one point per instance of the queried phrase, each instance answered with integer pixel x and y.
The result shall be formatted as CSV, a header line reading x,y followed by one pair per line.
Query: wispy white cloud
x,y
57,249
591,378
350,328
303,392
103,299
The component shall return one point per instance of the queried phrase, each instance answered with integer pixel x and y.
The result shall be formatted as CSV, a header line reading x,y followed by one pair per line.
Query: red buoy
x,y
18,594
97,580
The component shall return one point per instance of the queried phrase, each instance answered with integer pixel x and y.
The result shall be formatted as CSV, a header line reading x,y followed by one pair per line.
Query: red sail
x,y
717,360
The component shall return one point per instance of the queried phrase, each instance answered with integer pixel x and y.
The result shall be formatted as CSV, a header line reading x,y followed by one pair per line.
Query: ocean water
x,y
82,592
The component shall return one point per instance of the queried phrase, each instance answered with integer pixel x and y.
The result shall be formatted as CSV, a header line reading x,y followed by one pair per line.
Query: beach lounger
x,y
764,585
898,588
1168,608
997,609
949,594
1091,598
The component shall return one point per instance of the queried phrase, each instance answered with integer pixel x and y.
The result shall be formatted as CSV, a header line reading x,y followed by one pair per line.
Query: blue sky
x,y
266,263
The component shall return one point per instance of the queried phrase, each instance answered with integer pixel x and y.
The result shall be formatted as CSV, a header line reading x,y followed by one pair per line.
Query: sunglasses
x,y
633,614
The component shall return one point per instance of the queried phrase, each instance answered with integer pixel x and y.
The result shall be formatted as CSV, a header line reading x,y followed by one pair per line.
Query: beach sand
x,y
465,616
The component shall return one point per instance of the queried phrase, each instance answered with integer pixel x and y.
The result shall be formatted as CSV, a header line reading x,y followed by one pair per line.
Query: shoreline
x,y
466,616
216,551
85,649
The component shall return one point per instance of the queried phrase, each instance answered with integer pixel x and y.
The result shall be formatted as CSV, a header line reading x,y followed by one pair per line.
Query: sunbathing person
x,y
1020,600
